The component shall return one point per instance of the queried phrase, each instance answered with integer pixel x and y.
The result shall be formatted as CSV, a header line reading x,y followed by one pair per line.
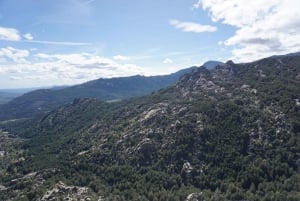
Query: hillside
x,y
6,96
230,133
45,100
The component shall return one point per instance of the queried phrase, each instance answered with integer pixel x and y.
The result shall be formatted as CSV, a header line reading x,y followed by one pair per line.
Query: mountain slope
x,y
7,96
232,133
44,100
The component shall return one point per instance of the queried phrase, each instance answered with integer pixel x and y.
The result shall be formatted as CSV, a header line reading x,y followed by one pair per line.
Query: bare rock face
x,y
2,188
187,168
61,191
146,145
195,197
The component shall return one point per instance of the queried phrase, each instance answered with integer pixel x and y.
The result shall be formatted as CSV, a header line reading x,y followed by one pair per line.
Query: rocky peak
x,y
212,64
203,81
199,80
229,62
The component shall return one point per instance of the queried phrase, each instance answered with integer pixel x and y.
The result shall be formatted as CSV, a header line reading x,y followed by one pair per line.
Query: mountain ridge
x,y
231,133
43,100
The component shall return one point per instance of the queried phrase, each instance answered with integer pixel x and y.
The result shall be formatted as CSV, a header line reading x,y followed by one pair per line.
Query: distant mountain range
x,y
229,133
113,89
8,94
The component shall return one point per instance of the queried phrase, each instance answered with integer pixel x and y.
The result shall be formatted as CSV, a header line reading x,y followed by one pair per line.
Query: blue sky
x,y
59,42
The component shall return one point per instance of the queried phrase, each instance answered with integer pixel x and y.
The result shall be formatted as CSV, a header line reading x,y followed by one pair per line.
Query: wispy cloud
x,y
57,42
121,58
28,36
9,34
192,27
88,1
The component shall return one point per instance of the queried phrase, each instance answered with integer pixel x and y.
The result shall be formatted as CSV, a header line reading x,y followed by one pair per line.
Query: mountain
x,y
212,64
8,94
230,133
44,100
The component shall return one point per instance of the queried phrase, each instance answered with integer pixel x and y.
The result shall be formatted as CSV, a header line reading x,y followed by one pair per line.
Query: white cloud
x,y
12,34
192,27
50,69
197,5
28,36
16,55
82,60
167,61
121,58
9,34
264,28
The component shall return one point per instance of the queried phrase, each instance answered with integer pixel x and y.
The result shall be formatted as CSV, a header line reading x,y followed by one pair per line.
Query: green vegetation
x,y
232,133
41,101
6,97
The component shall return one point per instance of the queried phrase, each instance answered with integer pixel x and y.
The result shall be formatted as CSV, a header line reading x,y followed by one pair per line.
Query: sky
x,y
66,42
